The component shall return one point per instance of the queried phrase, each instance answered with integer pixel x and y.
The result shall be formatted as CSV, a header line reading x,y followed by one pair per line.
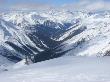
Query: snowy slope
x,y
64,69
15,34
24,19
93,40
5,63
54,33
6,30
50,34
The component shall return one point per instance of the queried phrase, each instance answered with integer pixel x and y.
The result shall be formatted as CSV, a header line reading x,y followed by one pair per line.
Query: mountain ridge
x,y
47,35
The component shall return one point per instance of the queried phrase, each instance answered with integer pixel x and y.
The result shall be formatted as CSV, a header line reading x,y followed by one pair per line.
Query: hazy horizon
x,y
89,5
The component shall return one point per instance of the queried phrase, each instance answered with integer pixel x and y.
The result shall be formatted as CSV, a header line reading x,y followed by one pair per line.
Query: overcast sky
x,y
90,5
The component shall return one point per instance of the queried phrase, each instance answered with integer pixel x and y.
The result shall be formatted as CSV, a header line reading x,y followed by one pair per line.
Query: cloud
x,y
85,5
30,6
88,5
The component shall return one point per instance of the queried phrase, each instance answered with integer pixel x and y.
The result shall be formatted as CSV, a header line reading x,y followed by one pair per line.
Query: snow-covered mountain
x,y
30,37
50,34
90,37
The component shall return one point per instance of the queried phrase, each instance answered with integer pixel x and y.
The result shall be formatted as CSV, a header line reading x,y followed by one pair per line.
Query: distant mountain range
x,y
50,34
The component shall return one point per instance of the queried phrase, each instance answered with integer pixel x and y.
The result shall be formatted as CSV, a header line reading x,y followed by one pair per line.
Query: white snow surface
x,y
96,36
5,63
64,69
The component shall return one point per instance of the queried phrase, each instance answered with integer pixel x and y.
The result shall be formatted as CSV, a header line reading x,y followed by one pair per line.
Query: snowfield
x,y
5,63
64,69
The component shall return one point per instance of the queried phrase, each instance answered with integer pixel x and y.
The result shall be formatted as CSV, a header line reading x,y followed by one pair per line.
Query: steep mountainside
x,y
46,35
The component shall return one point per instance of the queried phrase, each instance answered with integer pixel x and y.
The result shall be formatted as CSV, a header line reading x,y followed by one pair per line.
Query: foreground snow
x,y
64,69
4,63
